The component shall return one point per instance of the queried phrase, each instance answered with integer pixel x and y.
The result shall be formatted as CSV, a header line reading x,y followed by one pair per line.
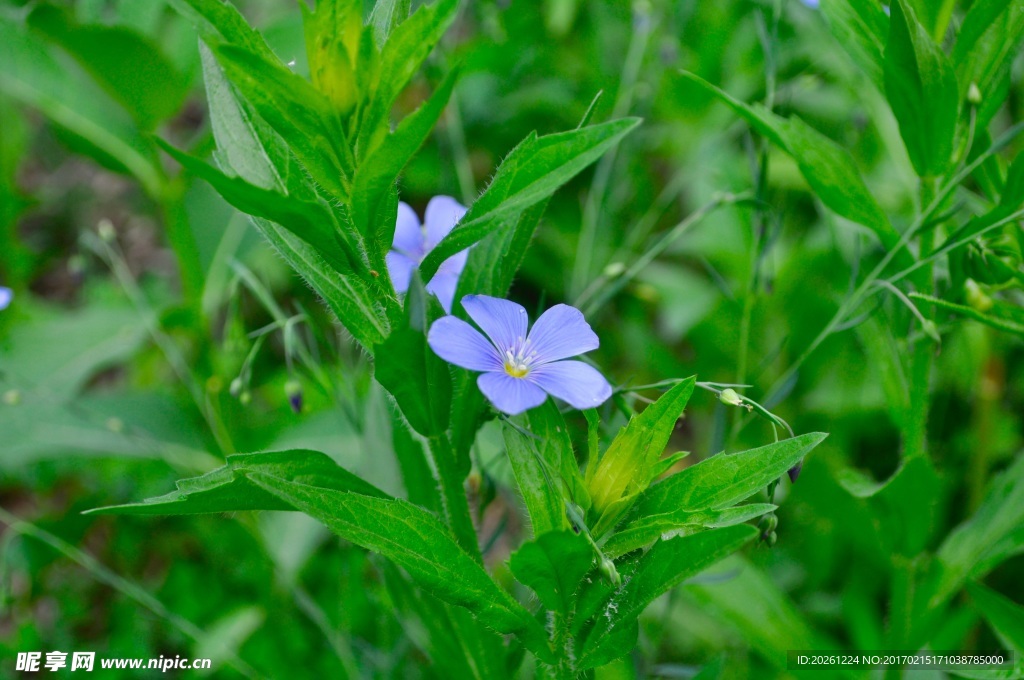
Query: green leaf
x,y
33,76
248,148
624,470
418,478
534,170
1005,616
416,541
828,168
660,569
678,522
228,489
860,28
749,598
127,64
401,57
725,479
922,89
1000,514
553,566
537,484
301,115
312,222
985,48
417,378
386,15
219,22
376,176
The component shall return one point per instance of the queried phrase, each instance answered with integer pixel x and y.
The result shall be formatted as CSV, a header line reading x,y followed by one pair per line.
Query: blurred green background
x,y
140,296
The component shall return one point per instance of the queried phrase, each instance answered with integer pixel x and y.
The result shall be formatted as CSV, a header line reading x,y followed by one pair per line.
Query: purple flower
x,y
520,369
413,241
6,295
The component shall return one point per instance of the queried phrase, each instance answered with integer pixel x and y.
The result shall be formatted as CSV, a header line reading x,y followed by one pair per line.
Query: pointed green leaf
x,y
660,569
922,90
532,171
985,48
227,489
553,565
828,168
625,469
861,29
416,541
1005,616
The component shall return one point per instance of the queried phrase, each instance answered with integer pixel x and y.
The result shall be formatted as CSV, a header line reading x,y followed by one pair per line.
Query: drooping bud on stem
x,y
293,390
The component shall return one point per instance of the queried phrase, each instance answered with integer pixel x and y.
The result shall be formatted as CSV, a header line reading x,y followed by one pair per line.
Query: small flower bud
x,y
245,397
609,571
770,538
768,523
614,269
976,297
106,231
730,397
236,388
293,389
12,397
973,94
794,472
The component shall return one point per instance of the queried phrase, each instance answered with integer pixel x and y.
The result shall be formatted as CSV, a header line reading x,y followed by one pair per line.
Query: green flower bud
x,y
609,571
973,94
730,397
976,297
236,388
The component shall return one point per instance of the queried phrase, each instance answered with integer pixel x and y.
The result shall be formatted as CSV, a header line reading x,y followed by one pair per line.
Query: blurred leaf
x,y
661,568
553,565
988,41
860,28
229,488
415,540
224,638
32,76
127,64
828,168
762,614
1005,616
922,90
1001,513
530,173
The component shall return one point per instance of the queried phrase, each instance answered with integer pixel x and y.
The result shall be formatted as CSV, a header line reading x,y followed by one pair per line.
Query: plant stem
x,y
453,496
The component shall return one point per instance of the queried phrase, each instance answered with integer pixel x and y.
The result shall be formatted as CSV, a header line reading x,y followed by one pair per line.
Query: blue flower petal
x,y
443,286
503,321
443,212
458,343
400,270
510,395
6,295
408,233
574,382
560,333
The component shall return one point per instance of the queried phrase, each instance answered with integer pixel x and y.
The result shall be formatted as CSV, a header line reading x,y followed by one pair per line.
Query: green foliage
x,y
153,335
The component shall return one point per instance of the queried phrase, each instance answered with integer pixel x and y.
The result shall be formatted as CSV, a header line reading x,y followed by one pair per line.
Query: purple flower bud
x,y
293,389
6,295
794,471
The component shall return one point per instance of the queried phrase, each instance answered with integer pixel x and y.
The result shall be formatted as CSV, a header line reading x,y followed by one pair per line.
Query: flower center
x,y
518,358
